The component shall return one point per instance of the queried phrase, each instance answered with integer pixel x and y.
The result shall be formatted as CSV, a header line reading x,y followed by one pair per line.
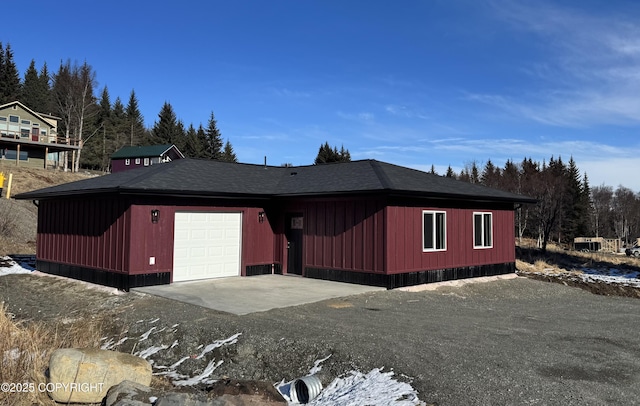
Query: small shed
x,y
132,157
366,222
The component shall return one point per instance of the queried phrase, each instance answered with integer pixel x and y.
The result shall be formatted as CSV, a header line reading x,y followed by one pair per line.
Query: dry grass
x,y
26,347
558,260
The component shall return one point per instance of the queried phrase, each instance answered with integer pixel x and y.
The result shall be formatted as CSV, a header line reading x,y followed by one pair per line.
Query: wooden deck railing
x,y
45,139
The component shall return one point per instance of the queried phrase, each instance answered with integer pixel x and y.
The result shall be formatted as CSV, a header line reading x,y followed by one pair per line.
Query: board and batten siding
x,y
404,240
156,240
344,234
90,233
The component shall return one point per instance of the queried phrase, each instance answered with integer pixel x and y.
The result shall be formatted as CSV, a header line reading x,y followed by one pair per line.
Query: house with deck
x,y
29,138
366,222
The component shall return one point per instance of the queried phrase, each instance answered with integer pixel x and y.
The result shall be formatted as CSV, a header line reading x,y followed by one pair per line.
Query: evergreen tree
x,y
475,173
94,149
45,103
326,154
31,88
575,213
433,170
9,78
228,155
201,135
193,145
450,173
166,130
490,175
213,139
135,121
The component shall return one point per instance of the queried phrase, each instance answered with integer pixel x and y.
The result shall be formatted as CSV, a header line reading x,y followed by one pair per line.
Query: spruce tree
x,y
193,145
450,173
327,154
45,103
135,121
213,143
10,78
166,129
228,155
31,88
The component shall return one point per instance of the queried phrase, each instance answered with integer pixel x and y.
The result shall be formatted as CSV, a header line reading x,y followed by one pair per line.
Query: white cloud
x,y
590,72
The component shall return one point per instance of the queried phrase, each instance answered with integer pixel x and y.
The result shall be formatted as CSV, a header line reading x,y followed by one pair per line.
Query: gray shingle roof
x,y
191,177
148,151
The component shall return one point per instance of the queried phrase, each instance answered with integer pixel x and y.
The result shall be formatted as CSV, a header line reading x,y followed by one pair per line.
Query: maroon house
x,y
138,156
365,222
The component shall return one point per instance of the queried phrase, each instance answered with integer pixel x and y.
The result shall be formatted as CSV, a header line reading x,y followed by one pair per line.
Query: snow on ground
x,y
9,266
375,388
612,276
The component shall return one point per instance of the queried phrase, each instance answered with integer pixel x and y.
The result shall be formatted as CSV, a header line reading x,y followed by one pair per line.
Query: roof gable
x,y
192,177
44,118
146,151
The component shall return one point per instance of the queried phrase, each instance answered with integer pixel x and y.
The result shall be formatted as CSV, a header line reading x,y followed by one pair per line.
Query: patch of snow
x,y
152,399
154,320
316,365
611,276
375,388
231,340
150,351
201,378
8,267
146,334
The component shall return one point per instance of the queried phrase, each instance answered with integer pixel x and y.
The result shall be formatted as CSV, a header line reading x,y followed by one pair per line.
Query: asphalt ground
x,y
506,342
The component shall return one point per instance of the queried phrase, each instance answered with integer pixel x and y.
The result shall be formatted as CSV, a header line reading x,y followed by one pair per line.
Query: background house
x,y
30,138
365,222
132,157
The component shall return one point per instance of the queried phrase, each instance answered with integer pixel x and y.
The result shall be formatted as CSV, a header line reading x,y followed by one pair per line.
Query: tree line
x,y
98,125
567,206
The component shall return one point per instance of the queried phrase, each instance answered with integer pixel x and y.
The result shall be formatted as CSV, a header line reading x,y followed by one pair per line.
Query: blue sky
x,y
413,83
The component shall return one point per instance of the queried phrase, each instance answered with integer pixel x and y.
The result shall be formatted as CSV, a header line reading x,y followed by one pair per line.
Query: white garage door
x,y
206,245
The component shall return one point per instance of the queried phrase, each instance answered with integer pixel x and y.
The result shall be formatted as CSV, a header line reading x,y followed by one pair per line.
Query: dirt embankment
x,y
18,218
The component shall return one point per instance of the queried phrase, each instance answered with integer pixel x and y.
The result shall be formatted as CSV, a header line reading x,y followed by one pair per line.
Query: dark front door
x,y
293,231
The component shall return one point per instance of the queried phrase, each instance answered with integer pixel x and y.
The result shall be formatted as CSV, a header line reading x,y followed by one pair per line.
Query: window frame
x,y
127,162
137,160
434,231
483,232
145,161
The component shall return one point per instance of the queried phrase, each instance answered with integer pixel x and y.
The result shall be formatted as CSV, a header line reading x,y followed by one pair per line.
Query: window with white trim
x,y
434,230
127,162
146,162
482,230
137,161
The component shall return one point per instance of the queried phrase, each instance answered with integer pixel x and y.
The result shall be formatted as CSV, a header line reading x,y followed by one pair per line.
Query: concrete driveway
x,y
244,295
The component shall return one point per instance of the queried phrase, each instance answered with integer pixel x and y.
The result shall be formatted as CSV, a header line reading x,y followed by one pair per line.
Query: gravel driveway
x,y
509,342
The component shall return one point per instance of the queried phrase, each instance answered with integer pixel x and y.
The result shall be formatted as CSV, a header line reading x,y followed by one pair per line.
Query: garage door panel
x,y
207,245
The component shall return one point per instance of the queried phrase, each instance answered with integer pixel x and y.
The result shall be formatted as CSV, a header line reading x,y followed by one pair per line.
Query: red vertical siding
x,y
81,232
156,240
342,235
404,233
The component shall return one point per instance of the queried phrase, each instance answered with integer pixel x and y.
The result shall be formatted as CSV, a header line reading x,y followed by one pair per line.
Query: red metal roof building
x,y
364,222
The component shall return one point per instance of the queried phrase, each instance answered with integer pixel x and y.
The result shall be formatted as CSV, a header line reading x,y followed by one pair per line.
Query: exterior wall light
x,y
155,215
261,217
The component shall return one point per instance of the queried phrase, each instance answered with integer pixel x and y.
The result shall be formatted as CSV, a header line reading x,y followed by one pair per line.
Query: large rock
x,y
85,375
128,393
222,393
